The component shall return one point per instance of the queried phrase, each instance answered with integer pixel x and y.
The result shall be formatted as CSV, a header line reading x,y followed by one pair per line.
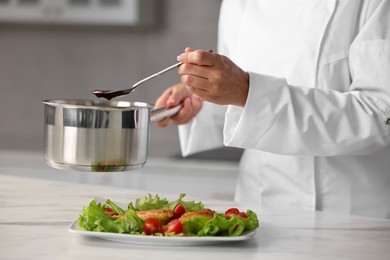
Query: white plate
x,y
157,240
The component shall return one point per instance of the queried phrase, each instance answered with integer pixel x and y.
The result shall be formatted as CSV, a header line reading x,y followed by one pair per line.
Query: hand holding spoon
x,y
109,94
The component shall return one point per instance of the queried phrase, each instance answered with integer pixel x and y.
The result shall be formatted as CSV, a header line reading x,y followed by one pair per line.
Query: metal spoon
x,y
109,94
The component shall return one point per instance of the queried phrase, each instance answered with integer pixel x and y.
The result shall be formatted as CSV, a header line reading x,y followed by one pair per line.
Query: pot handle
x,y
159,114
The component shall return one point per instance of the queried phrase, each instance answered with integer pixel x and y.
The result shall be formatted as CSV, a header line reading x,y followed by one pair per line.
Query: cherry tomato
x,y
231,211
243,215
174,226
178,210
152,226
109,211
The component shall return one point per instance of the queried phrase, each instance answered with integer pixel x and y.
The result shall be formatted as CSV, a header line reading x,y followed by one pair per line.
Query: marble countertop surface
x,y
164,174
35,215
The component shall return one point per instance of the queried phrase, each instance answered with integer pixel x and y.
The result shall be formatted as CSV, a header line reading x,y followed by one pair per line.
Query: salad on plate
x,y
155,216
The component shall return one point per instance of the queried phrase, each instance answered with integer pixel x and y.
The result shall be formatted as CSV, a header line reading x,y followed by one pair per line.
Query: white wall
x,y
40,62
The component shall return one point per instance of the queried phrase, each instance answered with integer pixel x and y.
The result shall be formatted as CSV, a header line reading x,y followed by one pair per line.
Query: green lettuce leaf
x,y
155,202
90,215
115,207
93,218
150,202
219,225
188,205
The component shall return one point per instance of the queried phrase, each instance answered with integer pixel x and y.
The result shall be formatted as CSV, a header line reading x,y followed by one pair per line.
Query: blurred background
x,y
57,49
44,59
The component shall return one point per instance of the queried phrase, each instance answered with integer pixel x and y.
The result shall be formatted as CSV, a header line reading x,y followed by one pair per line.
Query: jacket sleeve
x,y
292,120
204,132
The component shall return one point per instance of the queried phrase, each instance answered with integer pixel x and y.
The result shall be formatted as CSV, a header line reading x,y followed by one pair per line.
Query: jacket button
x,y
388,121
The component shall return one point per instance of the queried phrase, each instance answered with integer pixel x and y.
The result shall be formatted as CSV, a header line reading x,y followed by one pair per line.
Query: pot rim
x,y
98,104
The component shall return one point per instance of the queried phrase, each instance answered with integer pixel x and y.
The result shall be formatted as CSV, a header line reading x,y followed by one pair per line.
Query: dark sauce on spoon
x,y
109,94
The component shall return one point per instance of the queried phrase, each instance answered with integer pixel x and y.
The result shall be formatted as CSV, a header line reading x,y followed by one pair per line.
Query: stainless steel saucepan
x,y
99,135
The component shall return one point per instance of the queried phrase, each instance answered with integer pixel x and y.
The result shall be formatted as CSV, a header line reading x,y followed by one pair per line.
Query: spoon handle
x,y
156,74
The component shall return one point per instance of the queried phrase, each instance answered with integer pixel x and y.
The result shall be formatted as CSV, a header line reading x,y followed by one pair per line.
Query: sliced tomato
x,y
235,211
231,211
243,215
109,211
152,226
174,226
178,210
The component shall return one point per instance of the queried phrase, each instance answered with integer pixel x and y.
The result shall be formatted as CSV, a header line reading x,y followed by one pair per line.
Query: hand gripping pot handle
x,y
159,114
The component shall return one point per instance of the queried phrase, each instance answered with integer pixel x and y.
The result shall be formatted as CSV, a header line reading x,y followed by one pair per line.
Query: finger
x,y
188,49
195,70
185,114
201,93
172,96
162,100
198,57
163,123
178,94
195,82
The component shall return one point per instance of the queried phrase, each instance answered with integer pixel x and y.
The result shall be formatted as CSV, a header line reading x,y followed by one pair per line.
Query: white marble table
x,y
35,215
173,175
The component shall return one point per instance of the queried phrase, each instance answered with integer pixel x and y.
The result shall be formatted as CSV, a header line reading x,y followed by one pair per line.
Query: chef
x,y
304,87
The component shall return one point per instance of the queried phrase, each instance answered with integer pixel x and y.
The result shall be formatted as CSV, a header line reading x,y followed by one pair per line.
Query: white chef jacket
x,y
316,124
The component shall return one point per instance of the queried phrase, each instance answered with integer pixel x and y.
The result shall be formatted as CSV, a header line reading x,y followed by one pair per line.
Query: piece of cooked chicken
x,y
163,215
208,213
